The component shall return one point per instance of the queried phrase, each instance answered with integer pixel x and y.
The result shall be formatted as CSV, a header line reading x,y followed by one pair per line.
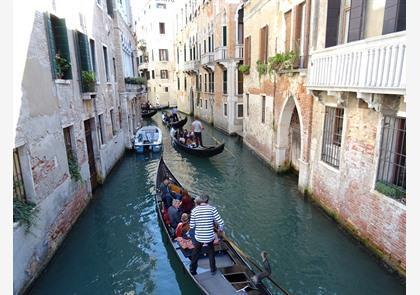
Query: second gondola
x,y
200,151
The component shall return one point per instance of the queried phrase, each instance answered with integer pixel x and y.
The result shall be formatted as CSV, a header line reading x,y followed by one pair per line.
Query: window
x,y
224,33
162,28
185,83
177,55
225,109
205,82
164,74
264,44
240,82
206,104
153,74
58,47
344,22
224,81
163,54
111,114
120,117
101,129
247,104
240,111
109,8
115,69
394,17
93,58
179,83
392,158
331,139
166,89
247,51
185,52
105,50
201,103
85,60
263,110
161,5
211,82
299,35
288,22
18,185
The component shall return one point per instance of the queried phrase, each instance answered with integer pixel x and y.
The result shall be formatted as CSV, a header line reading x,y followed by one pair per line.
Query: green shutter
x,y
62,42
51,44
83,45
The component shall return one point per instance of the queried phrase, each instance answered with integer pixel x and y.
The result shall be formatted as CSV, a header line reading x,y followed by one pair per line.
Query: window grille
x,y
331,140
392,159
18,187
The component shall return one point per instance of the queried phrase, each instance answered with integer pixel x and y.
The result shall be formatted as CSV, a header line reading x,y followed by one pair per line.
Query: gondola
x,y
207,151
148,113
234,275
178,124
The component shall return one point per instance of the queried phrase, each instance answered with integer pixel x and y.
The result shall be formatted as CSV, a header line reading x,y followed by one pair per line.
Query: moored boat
x,y
234,275
148,113
200,151
148,138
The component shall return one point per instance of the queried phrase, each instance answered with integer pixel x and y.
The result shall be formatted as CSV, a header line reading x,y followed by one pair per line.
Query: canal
x,y
117,247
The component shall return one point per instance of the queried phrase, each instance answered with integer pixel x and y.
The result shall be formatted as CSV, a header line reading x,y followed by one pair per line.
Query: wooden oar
x,y
253,263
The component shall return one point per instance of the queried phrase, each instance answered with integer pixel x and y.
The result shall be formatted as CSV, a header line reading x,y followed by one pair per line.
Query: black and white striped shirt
x,y
202,218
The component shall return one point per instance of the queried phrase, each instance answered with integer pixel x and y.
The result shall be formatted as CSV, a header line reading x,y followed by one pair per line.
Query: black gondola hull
x,y
240,263
148,113
176,125
208,151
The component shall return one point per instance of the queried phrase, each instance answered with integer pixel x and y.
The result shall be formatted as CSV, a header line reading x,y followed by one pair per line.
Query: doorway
x,y
91,156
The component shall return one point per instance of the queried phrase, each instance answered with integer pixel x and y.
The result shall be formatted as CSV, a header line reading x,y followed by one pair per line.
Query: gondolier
x,y
203,217
197,128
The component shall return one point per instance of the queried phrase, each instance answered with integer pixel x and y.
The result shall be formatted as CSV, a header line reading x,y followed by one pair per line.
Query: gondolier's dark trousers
x,y
196,255
198,136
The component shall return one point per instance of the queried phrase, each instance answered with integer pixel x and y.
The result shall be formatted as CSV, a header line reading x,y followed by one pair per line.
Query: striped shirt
x,y
202,218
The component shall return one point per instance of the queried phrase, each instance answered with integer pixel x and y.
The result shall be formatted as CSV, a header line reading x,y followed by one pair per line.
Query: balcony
x,y
374,65
239,51
207,58
143,65
220,54
191,66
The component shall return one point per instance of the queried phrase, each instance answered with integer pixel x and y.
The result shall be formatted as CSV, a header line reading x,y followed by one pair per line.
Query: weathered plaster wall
x,y
348,192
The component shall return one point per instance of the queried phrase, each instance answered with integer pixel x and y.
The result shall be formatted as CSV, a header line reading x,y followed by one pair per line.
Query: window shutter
x,y
394,17
85,61
62,42
261,55
333,15
298,27
288,21
51,44
246,51
357,11
224,35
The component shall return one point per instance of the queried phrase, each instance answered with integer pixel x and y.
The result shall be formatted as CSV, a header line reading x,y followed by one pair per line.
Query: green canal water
x,y
117,246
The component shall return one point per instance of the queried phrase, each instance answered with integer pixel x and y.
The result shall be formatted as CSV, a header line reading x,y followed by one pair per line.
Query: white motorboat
x,y
148,138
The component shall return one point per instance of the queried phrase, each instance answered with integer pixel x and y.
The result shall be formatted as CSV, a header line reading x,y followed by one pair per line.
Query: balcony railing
x,y
191,65
220,54
239,51
143,65
374,65
207,58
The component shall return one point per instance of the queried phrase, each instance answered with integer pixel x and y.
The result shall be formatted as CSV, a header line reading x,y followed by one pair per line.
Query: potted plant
x,y
281,62
62,66
244,69
261,68
88,81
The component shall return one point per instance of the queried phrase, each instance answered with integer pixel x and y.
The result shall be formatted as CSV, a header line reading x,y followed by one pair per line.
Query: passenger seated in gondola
x,y
176,191
187,202
182,233
174,213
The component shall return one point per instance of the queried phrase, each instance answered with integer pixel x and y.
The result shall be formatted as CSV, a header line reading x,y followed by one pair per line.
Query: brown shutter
x,y
265,44
247,52
357,12
288,20
261,56
333,15
298,27
307,13
394,17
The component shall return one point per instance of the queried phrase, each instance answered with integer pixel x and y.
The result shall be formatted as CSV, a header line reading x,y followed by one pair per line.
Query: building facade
x,y
208,50
337,114
73,122
155,21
